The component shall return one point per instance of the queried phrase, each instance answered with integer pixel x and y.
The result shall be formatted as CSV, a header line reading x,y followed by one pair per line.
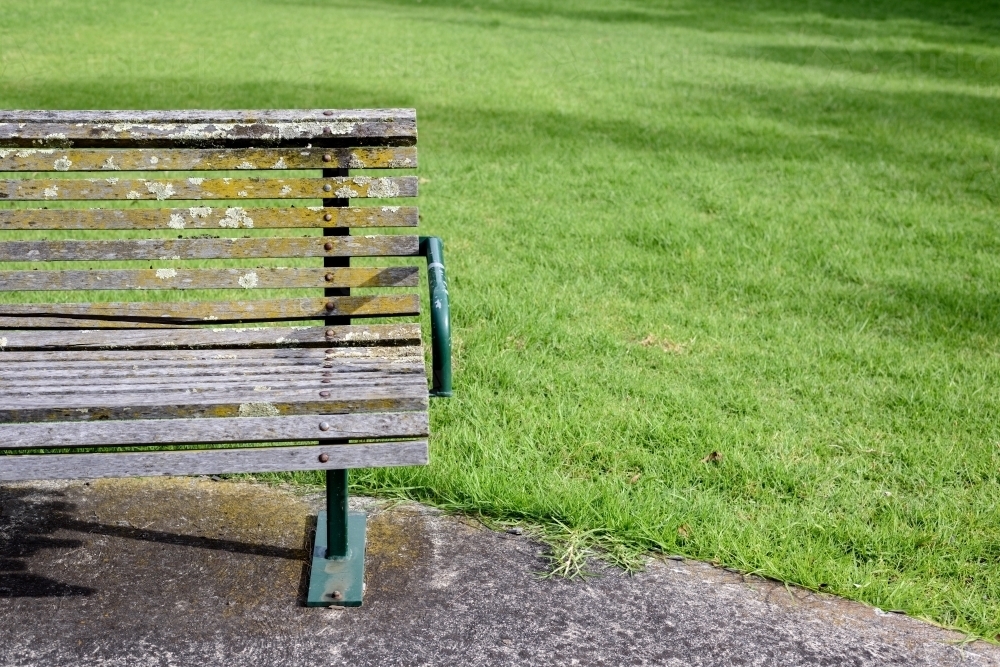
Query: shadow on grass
x,y
979,19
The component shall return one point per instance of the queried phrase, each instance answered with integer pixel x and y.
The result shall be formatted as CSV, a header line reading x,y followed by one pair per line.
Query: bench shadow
x,y
29,518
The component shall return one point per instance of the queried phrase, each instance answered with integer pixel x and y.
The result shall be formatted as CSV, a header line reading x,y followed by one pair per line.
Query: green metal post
x,y
336,513
432,248
337,576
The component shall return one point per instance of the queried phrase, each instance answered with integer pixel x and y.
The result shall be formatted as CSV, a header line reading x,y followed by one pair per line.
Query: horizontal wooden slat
x,y
224,311
111,188
194,159
405,393
208,128
391,245
66,342
212,462
207,217
186,279
154,358
220,431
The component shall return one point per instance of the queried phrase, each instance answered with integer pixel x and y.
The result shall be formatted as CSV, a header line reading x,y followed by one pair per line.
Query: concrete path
x,y
195,572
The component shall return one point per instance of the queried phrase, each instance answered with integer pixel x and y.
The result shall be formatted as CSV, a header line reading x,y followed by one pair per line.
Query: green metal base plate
x,y
340,581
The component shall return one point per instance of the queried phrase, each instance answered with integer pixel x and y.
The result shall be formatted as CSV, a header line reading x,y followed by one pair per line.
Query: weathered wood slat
x,y
359,388
111,188
212,462
207,217
193,159
379,401
224,430
223,248
186,279
132,129
258,337
95,374
224,311
170,353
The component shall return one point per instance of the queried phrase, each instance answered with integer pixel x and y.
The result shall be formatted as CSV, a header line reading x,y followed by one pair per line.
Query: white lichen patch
x,y
262,387
383,187
110,165
132,194
315,208
200,211
196,181
390,209
63,163
166,274
248,280
241,193
154,160
52,192
176,221
211,318
121,127
112,181
4,154
235,217
258,410
346,192
160,189
286,190
3,343
246,164
280,164
227,181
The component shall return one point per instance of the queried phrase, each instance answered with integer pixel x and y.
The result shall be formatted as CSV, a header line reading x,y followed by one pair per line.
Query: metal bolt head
x,y
328,246
328,278
323,458
327,187
324,394
324,426
331,333
336,595
328,217
327,157
327,113
330,305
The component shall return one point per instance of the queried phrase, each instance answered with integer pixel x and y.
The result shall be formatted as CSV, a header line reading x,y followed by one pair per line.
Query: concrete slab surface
x,y
190,571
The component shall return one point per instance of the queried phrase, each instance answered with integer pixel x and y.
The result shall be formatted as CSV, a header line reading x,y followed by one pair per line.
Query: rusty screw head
x,y
327,187
324,426
331,333
328,217
327,113
328,246
323,458
327,157
330,305
324,394
328,278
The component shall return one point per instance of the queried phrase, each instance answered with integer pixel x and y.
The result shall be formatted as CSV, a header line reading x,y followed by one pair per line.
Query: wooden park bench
x,y
176,299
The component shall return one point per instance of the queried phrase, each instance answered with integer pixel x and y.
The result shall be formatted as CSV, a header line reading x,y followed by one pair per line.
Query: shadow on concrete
x,y
30,517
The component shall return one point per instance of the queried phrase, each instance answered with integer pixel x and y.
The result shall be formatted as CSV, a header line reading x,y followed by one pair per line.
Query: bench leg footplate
x,y
338,581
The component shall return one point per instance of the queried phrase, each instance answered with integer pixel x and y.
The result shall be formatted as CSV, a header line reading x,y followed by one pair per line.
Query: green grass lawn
x,y
763,229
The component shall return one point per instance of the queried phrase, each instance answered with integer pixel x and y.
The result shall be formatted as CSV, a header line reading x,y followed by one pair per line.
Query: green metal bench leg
x,y
338,559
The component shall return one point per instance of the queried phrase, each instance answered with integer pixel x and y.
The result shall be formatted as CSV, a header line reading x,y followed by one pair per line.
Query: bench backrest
x,y
165,242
